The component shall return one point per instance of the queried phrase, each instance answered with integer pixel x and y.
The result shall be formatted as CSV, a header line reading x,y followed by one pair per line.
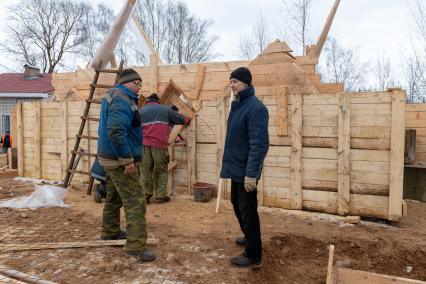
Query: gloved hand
x,y
250,184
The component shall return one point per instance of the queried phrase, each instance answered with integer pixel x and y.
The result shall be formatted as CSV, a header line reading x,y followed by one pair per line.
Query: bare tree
x,y
178,36
96,23
296,22
382,71
256,40
343,66
42,32
415,64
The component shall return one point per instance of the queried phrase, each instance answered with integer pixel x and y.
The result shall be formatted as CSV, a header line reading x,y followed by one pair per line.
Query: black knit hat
x,y
153,98
128,75
242,74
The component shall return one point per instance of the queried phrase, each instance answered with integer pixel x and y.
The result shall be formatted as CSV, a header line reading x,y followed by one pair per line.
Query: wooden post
x,y
397,154
343,152
154,73
192,147
261,190
282,110
37,140
296,152
9,158
64,138
171,172
20,139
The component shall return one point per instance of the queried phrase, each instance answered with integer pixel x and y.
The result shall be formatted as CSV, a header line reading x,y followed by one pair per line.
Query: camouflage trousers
x,y
125,191
154,168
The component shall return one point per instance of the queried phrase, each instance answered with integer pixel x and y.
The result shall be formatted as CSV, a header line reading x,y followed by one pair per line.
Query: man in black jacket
x,y
246,145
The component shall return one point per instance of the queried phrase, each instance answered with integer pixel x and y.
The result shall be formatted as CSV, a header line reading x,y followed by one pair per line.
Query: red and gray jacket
x,y
156,123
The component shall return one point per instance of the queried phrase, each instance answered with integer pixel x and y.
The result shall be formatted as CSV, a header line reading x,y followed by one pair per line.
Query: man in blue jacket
x,y
119,153
246,145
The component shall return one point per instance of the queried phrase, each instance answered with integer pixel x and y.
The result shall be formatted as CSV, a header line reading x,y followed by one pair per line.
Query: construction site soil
x,y
195,245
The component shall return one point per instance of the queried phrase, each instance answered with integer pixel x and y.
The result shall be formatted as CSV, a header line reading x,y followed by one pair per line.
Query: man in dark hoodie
x,y
246,145
120,153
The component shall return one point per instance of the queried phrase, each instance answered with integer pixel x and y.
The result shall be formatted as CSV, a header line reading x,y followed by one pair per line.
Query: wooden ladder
x,y
78,152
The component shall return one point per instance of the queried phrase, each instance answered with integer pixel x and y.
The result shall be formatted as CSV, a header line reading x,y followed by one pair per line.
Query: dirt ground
x,y
195,244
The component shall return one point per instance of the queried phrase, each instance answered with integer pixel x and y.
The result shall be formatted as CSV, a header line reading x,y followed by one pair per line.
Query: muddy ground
x,y
195,245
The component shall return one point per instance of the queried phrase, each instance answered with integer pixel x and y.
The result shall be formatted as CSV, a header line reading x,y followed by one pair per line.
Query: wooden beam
x,y
192,146
296,152
37,140
351,276
220,132
154,73
397,154
63,245
64,138
8,280
343,152
144,35
23,276
282,111
20,139
198,81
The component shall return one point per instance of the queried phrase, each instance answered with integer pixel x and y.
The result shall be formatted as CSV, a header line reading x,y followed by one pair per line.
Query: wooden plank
x,y
154,73
20,139
64,138
198,82
397,155
282,111
22,276
63,245
296,152
7,280
37,140
221,132
343,150
351,276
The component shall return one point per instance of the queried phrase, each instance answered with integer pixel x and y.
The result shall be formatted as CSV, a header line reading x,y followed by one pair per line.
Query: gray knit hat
x,y
128,75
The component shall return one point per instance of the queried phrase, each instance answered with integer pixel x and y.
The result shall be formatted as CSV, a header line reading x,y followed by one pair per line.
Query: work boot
x,y
148,197
244,261
143,255
241,241
162,199
121,235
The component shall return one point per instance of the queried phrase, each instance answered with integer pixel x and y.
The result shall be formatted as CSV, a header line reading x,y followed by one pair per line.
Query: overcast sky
x,y
369,25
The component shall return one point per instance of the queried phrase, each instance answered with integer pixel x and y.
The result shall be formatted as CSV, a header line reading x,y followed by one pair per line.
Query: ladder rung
x,y
80,172
94,101
87,137
89,118
103,70
103,86
84,154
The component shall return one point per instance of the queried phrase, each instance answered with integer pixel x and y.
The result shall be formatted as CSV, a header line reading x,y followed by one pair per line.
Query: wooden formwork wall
x,y
415,118
329,151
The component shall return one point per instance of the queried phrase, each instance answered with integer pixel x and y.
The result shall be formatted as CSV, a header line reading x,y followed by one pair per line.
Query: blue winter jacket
x,y
247,138
120,133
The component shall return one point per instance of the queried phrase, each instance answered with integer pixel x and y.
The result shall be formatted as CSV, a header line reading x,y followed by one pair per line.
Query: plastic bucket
x,y
202,191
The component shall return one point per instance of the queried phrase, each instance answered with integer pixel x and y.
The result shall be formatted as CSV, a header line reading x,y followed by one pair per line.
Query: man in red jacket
x,y
156,122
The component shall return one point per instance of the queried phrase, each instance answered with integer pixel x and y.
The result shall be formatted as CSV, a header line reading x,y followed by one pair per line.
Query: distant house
x,y
22,87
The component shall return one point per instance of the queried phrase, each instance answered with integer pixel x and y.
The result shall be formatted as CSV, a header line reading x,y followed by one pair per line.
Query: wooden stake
x,y
330,265
296,152
219,194
343,153
64,138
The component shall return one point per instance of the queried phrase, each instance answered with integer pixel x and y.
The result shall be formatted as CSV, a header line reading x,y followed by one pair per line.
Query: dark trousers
x,y
245,208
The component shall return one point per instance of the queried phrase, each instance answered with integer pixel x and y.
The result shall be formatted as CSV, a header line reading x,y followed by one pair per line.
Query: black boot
x,y
148,197
244,261
143,255
121,235
162,199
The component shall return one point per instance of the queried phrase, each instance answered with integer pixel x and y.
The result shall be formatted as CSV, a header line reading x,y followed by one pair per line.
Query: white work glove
x,y
249,184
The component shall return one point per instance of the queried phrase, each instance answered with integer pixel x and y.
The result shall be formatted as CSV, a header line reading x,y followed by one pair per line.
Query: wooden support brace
x,y
296,152
154,73
198,81
397,154
20,139
37,140
282,111
64,138
343,153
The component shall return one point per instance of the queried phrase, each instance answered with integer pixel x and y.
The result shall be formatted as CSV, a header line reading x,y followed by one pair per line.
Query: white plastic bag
x,y
43,196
